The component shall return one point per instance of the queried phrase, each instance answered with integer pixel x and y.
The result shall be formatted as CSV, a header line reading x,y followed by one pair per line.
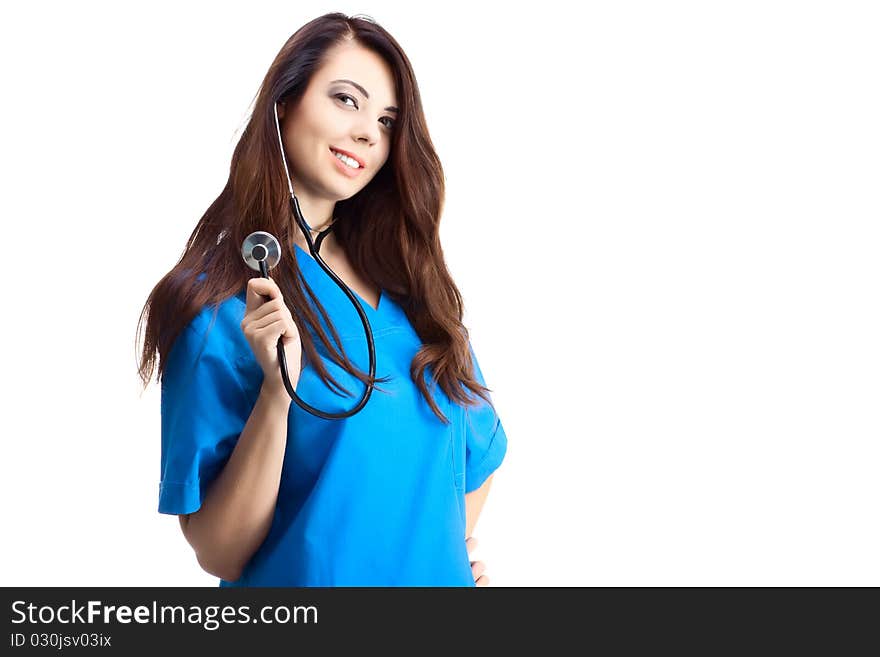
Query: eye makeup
x,y
342,97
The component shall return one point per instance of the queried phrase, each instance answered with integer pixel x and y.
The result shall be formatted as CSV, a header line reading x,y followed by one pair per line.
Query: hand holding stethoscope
x,y
269,329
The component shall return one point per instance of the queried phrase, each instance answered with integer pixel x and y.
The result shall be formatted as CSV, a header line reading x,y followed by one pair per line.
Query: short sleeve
x,y
204,410
485,440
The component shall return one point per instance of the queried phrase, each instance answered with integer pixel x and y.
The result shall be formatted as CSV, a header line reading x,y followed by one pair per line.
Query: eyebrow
x,y
364,92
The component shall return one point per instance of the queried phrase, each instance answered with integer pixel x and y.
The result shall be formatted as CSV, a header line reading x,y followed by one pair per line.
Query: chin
x,y
345,192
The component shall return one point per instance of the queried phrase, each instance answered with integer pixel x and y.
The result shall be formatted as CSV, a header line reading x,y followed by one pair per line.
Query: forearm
x,y
473,503
238,508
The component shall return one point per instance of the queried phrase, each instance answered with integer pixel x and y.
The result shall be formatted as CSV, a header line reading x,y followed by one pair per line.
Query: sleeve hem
x,y
177,498
477,475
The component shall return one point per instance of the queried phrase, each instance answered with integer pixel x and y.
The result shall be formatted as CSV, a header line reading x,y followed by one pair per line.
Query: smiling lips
x,y
343,167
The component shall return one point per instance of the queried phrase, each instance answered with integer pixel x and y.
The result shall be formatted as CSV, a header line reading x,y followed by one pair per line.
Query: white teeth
x,y
347,160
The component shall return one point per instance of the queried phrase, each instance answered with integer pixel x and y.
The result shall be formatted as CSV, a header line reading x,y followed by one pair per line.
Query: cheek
x,y
303,149
378,167
385,159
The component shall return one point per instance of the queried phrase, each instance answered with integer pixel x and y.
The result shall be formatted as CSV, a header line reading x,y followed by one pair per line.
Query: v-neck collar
x,y
313,266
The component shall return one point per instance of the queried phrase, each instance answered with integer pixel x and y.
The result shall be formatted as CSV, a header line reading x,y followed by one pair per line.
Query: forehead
x,y
354,62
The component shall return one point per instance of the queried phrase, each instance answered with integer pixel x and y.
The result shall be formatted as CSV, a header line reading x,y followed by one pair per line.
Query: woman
x,y
268,494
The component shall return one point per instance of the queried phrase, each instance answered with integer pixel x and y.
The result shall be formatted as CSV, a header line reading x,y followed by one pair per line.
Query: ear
x,y
281,108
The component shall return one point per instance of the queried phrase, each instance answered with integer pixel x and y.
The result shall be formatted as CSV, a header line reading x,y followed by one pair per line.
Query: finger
x,y
290,332
267,320
477,568
267,308
274,329
267,313
471,543
258,288
249,325
483,581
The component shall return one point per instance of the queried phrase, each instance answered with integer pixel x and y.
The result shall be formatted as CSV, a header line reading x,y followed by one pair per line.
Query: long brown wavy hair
x,y
389,230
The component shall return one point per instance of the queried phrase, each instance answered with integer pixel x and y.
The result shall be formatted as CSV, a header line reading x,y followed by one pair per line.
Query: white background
x,y
663,218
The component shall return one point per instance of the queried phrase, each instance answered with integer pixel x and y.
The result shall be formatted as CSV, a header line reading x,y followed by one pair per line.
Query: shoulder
x,y
210,352
216,327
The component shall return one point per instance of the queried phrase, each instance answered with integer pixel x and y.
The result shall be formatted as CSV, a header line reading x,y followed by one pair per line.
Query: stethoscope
x,y
262,251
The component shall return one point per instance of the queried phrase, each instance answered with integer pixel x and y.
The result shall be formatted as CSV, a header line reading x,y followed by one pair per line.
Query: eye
x,y
343,97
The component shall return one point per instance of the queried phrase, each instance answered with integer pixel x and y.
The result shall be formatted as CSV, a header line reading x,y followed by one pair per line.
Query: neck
x,y
318,214
328,244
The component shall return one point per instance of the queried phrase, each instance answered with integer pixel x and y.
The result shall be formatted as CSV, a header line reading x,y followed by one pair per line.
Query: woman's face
x,y
350,106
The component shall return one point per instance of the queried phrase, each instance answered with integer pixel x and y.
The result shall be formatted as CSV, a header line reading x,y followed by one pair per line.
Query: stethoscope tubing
x,y
314,249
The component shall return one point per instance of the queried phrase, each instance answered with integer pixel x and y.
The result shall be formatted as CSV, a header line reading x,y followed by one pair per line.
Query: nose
x,y
366,130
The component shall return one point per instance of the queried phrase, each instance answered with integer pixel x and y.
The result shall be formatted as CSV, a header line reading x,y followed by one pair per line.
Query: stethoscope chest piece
x,y
261,247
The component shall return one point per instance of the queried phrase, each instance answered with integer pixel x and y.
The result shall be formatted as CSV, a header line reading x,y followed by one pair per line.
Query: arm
x,y
237,511
473,502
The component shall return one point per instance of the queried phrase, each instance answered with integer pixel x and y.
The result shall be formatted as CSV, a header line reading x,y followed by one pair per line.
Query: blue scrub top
x,y
376,499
